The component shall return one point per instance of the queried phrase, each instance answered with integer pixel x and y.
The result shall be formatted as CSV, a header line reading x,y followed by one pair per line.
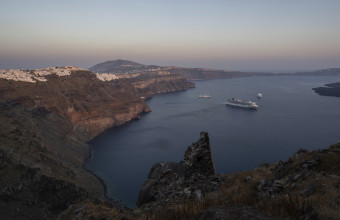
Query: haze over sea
x,y
291,116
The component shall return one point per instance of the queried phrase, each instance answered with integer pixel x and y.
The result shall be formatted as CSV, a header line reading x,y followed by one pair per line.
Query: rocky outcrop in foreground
x,y
190,179
305,186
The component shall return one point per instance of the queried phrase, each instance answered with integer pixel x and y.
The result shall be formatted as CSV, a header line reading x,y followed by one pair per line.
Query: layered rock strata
x,y
45,125
149,84
173,183
41,163
81,98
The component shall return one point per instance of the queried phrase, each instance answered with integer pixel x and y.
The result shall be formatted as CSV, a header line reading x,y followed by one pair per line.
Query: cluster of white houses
x,y
106,76
35,75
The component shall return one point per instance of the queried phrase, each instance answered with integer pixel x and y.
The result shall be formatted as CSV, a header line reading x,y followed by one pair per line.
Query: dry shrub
x,y
188,210
238,189
285,205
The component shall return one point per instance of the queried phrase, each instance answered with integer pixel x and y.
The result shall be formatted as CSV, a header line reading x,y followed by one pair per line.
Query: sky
x,y
245,35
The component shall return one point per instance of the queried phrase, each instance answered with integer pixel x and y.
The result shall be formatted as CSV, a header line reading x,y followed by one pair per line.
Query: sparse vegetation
x,y
315,192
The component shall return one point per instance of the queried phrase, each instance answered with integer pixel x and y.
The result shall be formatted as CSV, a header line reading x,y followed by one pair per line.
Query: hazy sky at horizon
x,y
261,35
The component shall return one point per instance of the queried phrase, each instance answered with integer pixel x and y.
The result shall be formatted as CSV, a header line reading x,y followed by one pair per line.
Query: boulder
x,y
198,156
189,179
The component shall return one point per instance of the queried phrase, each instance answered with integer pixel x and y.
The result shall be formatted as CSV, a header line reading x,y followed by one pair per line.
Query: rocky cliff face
x,y
190,179
81,98
154,83
41,163
91,103
45,123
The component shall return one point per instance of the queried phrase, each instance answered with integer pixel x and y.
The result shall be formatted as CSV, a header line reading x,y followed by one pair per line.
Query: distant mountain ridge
x,y
125,67
323,72
121,67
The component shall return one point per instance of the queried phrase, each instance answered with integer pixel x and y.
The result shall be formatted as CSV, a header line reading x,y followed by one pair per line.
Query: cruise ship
x,y
242,104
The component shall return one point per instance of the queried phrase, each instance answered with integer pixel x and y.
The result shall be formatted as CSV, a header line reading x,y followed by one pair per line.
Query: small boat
x,y
259,95
204,96
242,104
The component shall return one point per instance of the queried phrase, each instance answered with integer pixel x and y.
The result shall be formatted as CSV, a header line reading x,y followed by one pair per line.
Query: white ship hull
x,y
204,96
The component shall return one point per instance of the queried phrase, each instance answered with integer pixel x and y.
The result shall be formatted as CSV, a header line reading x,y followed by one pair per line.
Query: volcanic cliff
x,y
46,118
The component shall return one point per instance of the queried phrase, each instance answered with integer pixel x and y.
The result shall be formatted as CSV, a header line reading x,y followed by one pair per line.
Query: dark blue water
x,y
291,116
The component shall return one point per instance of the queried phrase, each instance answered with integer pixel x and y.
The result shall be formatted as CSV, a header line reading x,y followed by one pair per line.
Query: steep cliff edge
x,y
81,98
41,163
155,83
89,102
46,118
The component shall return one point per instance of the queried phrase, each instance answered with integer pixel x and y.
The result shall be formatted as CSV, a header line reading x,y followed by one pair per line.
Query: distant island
x,y
332,89
123,67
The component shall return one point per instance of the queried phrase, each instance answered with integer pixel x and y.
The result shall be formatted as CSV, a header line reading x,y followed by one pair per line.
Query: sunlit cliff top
x,y
36,74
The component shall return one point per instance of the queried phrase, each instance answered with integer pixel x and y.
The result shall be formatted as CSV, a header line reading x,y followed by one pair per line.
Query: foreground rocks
x,y
29,194
234,213
173,183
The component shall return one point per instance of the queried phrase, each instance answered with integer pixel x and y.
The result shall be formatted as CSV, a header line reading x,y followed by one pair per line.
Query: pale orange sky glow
x,y
262,36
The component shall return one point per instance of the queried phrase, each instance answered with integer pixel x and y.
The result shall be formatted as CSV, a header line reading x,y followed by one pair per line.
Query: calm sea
x,y
291,116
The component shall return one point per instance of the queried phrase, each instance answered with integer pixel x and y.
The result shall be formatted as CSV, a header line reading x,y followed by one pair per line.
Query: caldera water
x,y
291,116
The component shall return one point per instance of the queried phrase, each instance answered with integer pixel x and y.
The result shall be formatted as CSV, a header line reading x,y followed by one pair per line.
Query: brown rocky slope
x,y
91,103
44,129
